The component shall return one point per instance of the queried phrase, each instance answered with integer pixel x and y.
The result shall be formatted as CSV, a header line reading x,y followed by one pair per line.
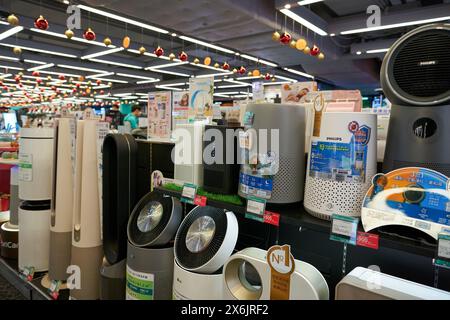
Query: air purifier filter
x,y
341,164
34,240
14,197
62,204
87,251
275,173
36,161
366,284
205,239
415,79
306,282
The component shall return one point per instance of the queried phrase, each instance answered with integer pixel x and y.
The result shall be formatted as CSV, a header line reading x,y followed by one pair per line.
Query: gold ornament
x,y
321,56
307,50
172,56
17,50
207,61
301,44
110,84
256,73
196,61
142,50
107,41
126,42
235,71
216,65
49,78
293,44
13,20
69,34
273,79
250,74
276,36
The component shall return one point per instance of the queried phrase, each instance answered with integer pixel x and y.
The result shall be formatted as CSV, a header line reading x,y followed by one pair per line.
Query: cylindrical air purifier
x,y
87,251
34,240
274,166
9,231
341,163
151,229
62,204
205,240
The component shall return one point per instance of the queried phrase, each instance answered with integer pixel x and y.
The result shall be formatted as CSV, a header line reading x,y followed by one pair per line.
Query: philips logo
x,y
334,138
427,63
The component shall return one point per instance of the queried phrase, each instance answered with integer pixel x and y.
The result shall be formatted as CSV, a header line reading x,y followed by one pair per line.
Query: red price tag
x,y
272,218
200,201
367,240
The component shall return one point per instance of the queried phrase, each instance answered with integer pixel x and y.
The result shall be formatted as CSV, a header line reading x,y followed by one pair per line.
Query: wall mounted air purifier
x,y
367,284
205,240
188,153
119,199
9,231
87,251
36,164
34,240
62,201
221,167
277,172
150,257
341,164
415,77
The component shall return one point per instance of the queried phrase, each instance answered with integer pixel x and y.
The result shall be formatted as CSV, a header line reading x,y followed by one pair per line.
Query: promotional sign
x,y
181,107
296,92
140,285
201,91
258,91
189,193
443,252
282,266
159,114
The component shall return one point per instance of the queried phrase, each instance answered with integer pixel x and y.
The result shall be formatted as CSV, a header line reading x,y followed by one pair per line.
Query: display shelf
x,y
13,162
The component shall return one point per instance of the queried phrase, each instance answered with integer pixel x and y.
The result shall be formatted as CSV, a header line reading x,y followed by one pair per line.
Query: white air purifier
x,y
188,153
36,164
34,240
367,284
341,163
62,201
247,276
87,250
382,132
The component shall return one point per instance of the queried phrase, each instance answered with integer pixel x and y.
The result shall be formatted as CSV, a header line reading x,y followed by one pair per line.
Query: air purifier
x,y
87,251
341,164
306,282
119,199
205,240
62,200
415,78
383,125
150,256
188,152
367,284
274,166
220,162
34,240
9,231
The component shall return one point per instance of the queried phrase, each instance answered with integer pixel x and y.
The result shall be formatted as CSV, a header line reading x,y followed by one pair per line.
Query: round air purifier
x,y
34,240
341,164
206,239
248,276
154,221
9,235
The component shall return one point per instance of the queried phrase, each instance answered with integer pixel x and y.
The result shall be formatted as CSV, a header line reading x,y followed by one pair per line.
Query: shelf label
x,y
255,209
368,240
27,273
272,218
344,229
189,192
200,201
54,289
443,251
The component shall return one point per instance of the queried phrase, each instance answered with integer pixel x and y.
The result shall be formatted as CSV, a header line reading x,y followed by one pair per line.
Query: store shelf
x,y
13,162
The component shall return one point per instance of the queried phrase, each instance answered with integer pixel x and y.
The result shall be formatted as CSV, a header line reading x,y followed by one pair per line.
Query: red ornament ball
x,y
35,74
98,82
61,77
268,76
89,34
242,70
159,52
285,38
41,23
315,50
183,56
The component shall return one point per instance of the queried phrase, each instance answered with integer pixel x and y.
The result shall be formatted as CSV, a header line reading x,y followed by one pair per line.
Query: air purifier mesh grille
x,y
323,204
287,186
439,167
421,65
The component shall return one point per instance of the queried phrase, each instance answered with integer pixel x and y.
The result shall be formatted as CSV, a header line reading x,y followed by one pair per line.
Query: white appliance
x,y
306,282
341,163
87,250
62,201
188,153
36,162
382,132
9,231
367,284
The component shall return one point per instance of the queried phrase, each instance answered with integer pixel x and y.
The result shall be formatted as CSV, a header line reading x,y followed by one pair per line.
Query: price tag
x,y
344,229
54,289
245,140
272,218
368,240
443,251
189,192
255,208
200,200
27,273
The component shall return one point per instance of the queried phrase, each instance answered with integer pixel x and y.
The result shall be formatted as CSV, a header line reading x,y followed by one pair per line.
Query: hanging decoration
x,y
107,41
285,38
80,78
256,73
216,65
276,36
69,34
226,66
321,56
126,42
242,70
196,61
307,50
98,82
207,61
89,34
142,50
235,71
250,74
13,20
183,56
172,56
301,44
315,50
41,23
159,51
61,77
268,76
17,50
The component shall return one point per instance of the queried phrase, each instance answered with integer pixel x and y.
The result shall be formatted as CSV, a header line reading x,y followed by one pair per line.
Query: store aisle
x,y
8,292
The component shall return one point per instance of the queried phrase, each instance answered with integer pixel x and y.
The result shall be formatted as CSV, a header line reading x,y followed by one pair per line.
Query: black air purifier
x,y
415,77
221,169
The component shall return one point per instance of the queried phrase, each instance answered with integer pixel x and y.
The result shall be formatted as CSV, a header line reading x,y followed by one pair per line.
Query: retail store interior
x,y
224,150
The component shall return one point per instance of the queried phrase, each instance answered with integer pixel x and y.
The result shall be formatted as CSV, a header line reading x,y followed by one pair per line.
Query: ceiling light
x,y
9,58
208,67
10,32
168,65
12,68
358,53
214,75
95,76
123,94
56,53
168,88
377,51
275,83
40,67
233,86
249,78
303,22
102,53
66,66
61,73
299,73
287,6
4,22
123,19
66,1
34,61
169,72
116,63
306,2
148,81
246,56
237,53
127,75
174,34
220,95
142,100
112,80
206,44
285,78
396,25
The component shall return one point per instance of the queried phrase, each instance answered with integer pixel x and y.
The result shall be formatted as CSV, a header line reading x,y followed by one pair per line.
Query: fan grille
x,y
421,66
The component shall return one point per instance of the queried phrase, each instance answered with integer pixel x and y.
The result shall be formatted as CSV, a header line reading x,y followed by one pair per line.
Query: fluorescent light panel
x,y
169,72
112,80
377,51
102,53
58,73
8,33
285,78
168,65
299,73
214,74
55,53
168,88
248,57
95,76
147,81
10,58
12,68
306,2
303,22
205,44
126,65
127,75
66,66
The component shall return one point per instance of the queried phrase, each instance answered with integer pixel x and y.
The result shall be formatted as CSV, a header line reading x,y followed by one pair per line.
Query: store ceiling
x,y
242,26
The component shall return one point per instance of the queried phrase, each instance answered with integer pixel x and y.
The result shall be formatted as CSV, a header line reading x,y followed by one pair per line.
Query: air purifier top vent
x,y
416,68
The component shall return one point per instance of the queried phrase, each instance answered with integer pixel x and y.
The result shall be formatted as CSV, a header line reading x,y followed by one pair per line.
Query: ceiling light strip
x,y
8,33
303,74
206,44
126,65
303,22
101,53
55,53
168,72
